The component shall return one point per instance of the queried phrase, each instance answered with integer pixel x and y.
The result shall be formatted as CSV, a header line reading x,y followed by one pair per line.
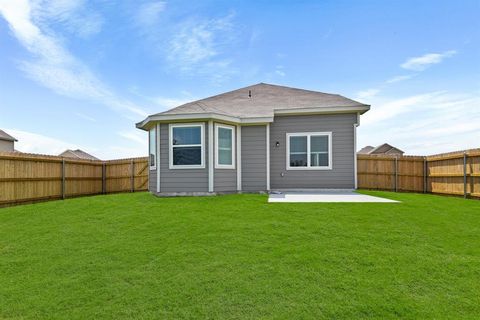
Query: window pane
x,y
224,146
152,146
298,151
319,144
183,156
319,159
298,144
224,138
298,160
186,135
225,157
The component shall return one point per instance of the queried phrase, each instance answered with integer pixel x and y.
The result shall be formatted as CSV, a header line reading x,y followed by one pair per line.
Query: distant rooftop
x,y
5,136
78,154
381,149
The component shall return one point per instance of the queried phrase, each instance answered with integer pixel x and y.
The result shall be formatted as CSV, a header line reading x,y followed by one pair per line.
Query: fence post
x,y
132,176
104,184
396,174
63,178
465,175
424,174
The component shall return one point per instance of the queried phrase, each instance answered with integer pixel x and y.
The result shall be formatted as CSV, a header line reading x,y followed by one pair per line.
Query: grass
x,y
236,257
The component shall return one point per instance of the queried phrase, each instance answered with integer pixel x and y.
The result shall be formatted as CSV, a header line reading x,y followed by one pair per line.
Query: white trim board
x,y
217,148
211,174
239,158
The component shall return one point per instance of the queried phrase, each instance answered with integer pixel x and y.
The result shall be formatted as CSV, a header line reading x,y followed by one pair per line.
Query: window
x,y
187,146
224,147
309,151
152,147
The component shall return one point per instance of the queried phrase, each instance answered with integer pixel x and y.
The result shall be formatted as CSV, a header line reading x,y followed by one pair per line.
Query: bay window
x,y
186,146
309,150
224,146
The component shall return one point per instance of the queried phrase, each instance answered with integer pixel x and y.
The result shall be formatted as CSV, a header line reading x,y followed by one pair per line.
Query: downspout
x,y
355,175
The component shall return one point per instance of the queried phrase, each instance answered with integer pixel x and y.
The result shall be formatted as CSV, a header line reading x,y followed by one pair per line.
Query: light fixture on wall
x,y
277,144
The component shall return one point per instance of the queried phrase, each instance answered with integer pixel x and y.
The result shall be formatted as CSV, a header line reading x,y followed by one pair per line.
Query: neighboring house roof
x,y
259,103
5,136
79,154
381,149
365,150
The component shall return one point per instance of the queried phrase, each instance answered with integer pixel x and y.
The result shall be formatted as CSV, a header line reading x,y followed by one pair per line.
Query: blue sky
x,y
79,74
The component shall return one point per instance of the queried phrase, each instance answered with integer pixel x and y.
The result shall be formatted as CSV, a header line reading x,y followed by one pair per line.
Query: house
x,y
258,138
381,149
77,154
7,142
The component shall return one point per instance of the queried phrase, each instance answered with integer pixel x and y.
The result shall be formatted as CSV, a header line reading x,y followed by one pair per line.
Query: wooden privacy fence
x,y
30,178
455,173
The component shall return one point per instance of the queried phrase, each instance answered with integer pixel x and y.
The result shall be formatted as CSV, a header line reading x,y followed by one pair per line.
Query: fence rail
x,y
30,178
455,173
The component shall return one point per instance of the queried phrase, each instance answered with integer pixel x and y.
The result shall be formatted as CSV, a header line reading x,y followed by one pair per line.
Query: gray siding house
x,y
7,142
254,139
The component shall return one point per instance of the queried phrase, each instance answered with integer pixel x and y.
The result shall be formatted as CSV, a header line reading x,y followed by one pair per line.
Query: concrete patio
x,y
324,196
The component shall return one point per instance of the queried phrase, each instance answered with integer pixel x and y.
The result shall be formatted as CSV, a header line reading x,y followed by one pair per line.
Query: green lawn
x,y
235,257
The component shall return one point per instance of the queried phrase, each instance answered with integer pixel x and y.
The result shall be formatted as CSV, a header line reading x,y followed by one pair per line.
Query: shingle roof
x,y
365,150
381,149
260,100
79,154
6,136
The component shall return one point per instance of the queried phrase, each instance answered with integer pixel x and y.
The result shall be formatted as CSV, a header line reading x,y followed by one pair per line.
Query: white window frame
x,y
154,167
218,165
171,126
309,135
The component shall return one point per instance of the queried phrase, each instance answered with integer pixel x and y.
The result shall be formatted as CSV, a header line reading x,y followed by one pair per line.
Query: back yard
x,y
138,256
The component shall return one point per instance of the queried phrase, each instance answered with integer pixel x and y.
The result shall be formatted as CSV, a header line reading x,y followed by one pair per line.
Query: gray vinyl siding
x,y
152,180
181,180
254,165
342,174
6,145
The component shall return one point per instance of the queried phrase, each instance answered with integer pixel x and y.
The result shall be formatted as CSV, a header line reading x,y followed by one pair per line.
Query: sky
x,y
80,74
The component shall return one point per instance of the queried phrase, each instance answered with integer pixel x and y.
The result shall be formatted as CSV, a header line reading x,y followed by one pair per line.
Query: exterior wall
x,y
254,158
181,180
152,180
342,175
6,145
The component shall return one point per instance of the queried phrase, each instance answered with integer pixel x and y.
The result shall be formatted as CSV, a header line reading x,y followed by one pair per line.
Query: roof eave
x,y
146,124
323,110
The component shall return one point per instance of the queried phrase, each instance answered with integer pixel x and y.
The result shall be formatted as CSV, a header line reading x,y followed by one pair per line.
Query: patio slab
x,y
324,196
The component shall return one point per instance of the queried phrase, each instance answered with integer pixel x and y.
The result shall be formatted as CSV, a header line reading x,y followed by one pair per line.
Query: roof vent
x,y
249,93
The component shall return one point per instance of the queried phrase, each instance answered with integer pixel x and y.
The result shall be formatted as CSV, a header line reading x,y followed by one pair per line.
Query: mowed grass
x,y
237,257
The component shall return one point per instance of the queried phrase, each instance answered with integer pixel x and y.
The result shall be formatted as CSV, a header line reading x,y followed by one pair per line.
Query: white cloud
x,y
423,62
169,103
37,143
197,47
393,108
135,135
279,70
399,78
86,117
54,66
424,124
367,93
148,13
74,15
